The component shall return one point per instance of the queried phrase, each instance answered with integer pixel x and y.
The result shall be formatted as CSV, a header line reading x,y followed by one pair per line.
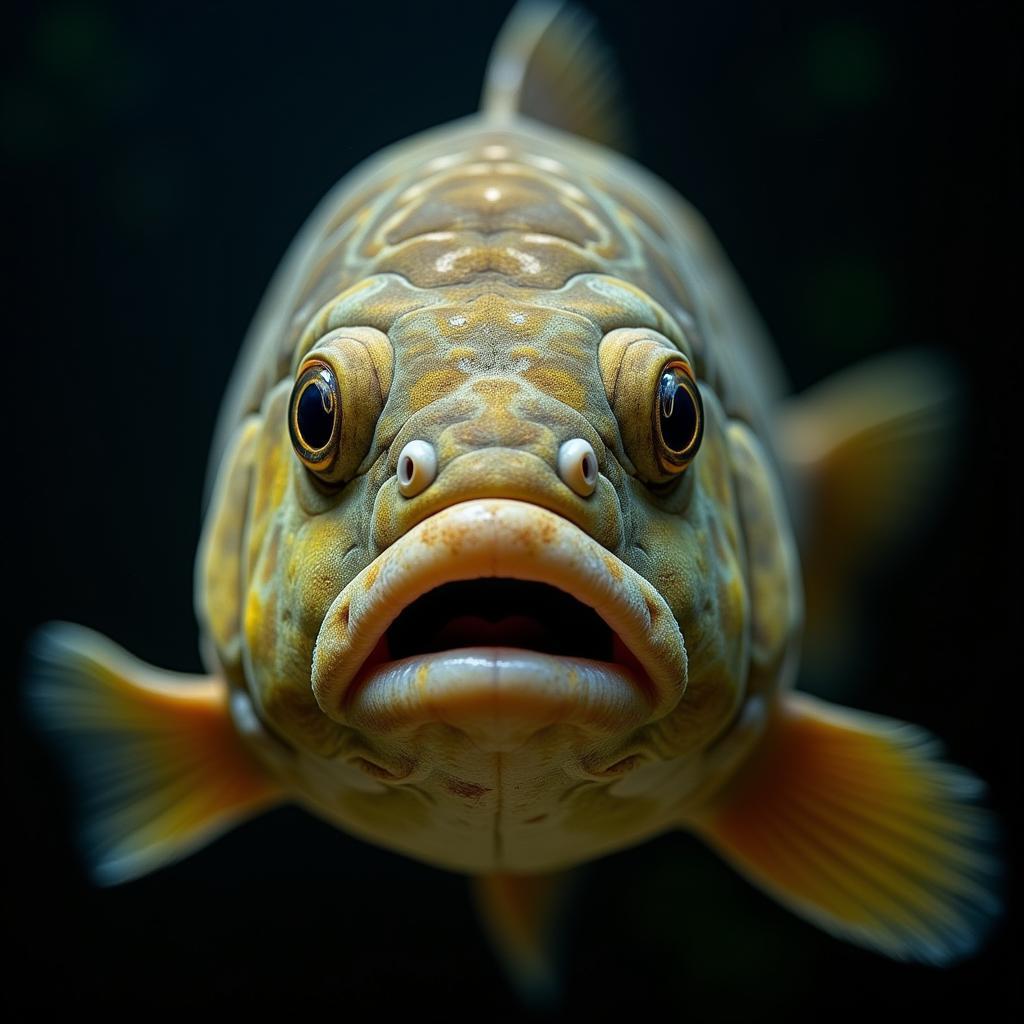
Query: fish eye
x,y
314,415
678,417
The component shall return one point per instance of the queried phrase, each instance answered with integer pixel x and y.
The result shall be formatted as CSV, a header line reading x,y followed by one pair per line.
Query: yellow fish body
x,y
498,568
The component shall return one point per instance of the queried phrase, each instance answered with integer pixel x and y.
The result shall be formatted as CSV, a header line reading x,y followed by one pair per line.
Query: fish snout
x,y
569,482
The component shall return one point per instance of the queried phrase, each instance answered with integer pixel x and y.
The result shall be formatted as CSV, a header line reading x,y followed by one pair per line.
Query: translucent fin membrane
x,y
524,916
549,64
153,755
872,448
852,821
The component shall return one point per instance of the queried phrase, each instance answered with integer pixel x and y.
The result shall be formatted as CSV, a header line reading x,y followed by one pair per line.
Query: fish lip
x,y
504,539
497,696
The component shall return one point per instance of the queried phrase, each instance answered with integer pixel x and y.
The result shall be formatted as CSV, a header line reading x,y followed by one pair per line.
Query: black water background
x,y
860,164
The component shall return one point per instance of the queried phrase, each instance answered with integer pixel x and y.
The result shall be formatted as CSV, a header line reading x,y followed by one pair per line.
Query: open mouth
x,y
501,613
498,616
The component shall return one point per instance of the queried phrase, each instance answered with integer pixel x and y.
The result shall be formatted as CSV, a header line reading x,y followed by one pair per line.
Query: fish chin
x,y
499,684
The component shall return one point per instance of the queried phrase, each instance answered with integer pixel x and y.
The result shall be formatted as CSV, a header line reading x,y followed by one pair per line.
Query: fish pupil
x,y
678,412
315,414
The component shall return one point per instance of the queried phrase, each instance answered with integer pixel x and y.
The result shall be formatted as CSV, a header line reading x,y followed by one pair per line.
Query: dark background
x,y
859,163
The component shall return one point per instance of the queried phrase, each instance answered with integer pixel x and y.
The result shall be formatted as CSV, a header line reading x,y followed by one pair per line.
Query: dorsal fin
x,y
549,64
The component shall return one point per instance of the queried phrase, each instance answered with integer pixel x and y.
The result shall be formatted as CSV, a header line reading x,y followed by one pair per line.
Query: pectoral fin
x,y
867,450
523,915
158,765
853,822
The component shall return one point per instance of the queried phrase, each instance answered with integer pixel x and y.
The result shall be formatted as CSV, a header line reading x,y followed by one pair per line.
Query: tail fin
x,y
549,64
154,756
852,821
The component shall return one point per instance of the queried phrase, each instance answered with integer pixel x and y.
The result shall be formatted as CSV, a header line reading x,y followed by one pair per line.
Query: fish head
x,y
496,597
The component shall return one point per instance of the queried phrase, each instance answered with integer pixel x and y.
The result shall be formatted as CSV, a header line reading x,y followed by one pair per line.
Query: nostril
x,y
417,467
577,466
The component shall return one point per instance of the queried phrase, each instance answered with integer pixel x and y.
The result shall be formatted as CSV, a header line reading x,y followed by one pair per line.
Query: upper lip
x,y
498,538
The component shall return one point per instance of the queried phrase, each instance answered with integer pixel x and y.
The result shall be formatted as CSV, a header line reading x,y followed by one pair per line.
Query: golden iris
x,y
314,417
678,417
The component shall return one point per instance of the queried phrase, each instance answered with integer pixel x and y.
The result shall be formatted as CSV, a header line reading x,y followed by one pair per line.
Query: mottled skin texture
x,y
496,290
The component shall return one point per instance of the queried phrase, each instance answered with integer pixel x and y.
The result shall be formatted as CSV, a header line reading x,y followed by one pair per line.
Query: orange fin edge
x,y
855,823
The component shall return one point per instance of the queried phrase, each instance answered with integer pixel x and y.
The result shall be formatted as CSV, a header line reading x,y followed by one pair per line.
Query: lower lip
x,y
500,695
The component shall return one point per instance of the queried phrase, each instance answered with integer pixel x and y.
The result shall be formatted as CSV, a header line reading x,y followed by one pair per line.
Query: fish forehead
x,y
500,204
473,254
470,209
494,322
441,349
466,211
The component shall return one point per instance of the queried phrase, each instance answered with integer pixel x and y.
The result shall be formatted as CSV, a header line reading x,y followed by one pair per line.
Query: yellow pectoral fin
x,y
852,821
523,915
154,756
870,450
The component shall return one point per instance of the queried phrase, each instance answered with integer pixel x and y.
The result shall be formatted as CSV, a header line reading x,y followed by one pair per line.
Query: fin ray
x,y
868,450
845,818
524,916
549,64
874,914
153,755
872,870
883,906
852,821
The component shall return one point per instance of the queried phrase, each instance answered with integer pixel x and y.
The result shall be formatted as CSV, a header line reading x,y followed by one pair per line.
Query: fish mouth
x,y
498,617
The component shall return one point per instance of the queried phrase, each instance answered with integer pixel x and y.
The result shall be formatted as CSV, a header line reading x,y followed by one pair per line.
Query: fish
x,y
513,545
